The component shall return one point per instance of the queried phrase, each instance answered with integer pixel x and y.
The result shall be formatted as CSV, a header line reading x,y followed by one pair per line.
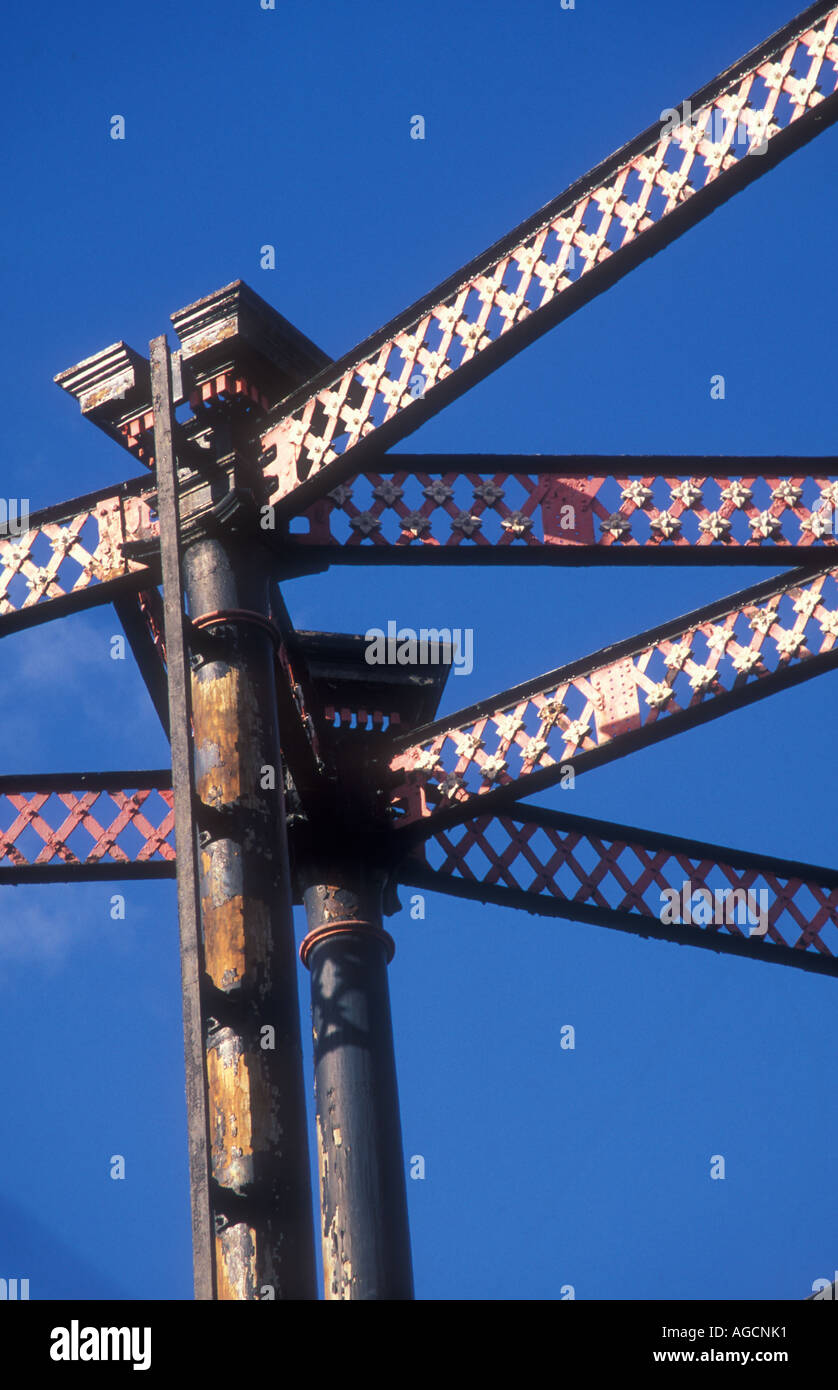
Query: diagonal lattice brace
x,y
141,616
775,99
670,678
71,557
550,509
57,827
301,750
639,881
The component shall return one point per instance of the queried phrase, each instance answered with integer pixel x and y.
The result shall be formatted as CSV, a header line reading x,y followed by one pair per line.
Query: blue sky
x,y
544,1167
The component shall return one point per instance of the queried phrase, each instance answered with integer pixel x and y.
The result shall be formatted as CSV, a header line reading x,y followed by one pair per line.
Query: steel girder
x,y
782,94
342,414
591,711
72,556
779,96
491,509
63,827
670,678
141,616
455,510
120,826
615,875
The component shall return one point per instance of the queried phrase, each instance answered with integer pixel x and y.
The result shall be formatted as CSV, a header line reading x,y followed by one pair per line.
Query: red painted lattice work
x,y
590,868
567,719
470,510
70,554
80,551
88,827
486,311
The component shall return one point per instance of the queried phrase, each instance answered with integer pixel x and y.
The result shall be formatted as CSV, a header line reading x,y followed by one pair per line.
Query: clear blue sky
x,y
243,127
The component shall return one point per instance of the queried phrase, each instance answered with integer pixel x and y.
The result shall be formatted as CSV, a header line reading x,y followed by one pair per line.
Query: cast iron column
x,y
366,1241
256,1105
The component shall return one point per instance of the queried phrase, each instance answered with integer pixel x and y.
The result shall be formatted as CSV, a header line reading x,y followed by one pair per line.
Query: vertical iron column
x,y
241,1012
189,911
365,1235
257,1120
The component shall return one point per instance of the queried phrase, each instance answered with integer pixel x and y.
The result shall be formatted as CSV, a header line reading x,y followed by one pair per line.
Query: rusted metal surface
x,y
236,349
695,668
261,1196
645,195
612,510
616,700
112,387
56,827
613,875
249,441
301,745
364,1226
233,333
191,954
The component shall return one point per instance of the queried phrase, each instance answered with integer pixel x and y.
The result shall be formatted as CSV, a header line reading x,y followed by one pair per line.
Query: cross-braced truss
x,y
456,510
294,446
639,881
640,199
631,694
75,827
501,510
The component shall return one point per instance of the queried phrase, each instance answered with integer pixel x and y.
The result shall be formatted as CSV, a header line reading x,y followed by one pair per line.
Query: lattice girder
x,y
73,555
487,512
76,826
615,875
649,687
739,125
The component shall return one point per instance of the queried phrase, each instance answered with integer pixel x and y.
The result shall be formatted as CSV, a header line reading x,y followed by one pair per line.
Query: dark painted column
x,y
260,1193
366,1241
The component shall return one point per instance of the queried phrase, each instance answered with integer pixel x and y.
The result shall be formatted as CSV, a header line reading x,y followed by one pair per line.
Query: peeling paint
x,y
256,1111
228,762
237,942
235,1250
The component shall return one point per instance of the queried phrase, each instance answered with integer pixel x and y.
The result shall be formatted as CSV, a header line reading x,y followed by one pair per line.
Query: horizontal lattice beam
x,y
741,124
624,697
618,876
72,558
548,509
60,827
